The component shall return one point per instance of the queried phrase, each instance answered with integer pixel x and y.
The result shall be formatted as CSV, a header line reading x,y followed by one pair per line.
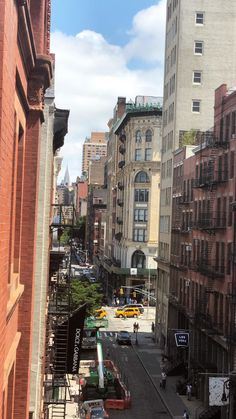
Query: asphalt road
x,y
145,401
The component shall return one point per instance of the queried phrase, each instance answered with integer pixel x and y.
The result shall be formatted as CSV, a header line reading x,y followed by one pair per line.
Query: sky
x,y
104,49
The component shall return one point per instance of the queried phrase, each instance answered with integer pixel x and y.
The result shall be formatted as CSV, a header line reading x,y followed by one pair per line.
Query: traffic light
x,y
134,294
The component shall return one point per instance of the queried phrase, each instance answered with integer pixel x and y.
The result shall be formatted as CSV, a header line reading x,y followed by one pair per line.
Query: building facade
x,y
93,148
133,194
203,245
26,73
198,57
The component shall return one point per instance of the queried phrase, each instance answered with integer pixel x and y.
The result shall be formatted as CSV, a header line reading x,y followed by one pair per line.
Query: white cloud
x,y
91,74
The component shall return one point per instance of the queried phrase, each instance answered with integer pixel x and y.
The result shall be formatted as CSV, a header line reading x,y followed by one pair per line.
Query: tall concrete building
x,y
199,56
94,148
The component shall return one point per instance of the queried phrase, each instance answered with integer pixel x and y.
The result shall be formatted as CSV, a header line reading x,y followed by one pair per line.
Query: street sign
x,y
182,339
133,271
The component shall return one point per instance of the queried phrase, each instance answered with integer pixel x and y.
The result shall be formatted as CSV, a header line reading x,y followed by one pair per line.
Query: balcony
x,y
185,229
122,137
210,269
121,164
210,179
118,236
215,222
122,149
184,200
120,186
119,220
120,202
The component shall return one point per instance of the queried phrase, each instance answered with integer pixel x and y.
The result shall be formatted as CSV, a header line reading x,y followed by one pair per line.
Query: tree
x,y
84,292
189,137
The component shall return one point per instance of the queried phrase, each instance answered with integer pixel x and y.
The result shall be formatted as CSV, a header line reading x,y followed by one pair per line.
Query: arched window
x,y
148,136
138,136
141,177
138,260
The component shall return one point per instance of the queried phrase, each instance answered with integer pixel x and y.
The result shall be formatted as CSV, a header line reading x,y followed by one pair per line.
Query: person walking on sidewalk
x,y
189,391
163,380
185,415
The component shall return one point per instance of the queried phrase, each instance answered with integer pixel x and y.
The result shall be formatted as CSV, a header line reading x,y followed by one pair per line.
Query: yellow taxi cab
x,y
100,314
127,312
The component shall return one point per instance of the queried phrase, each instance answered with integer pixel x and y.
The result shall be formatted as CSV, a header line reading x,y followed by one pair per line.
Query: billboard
x,y
218,391
68,341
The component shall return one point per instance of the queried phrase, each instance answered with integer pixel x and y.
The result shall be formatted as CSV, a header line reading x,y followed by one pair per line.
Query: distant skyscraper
x,y
94,148
66,180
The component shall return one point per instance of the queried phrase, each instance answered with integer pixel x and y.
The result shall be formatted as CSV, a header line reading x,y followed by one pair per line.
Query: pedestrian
x,y
189,391
185,415
153,327
135,327
163,380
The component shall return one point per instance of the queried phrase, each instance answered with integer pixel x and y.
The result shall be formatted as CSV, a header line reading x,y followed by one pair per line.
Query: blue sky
x,y
112,18
104,49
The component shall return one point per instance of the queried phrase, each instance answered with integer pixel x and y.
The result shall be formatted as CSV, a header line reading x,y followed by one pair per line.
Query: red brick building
x,y
26,71
202,268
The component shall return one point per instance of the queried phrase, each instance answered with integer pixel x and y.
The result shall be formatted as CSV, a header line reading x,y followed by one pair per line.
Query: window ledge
x,y
13,300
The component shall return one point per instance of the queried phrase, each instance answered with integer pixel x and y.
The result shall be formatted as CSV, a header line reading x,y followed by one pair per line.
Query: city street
x,y
145,401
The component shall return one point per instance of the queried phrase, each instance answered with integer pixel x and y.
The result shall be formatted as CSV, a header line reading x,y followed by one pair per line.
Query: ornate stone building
x,y
133,182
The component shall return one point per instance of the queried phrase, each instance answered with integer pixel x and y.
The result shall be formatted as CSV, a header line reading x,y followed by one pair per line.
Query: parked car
x,y
127,312
100,314
123,337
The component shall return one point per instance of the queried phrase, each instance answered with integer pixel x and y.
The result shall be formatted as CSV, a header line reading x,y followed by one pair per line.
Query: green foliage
x,y
65,237
189,137
84,292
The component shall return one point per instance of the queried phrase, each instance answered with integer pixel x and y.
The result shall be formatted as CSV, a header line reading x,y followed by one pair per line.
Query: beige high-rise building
x,y
199,56
94,148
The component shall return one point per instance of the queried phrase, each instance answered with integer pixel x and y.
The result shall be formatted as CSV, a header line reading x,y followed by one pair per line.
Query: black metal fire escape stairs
x,y
209,220
56,383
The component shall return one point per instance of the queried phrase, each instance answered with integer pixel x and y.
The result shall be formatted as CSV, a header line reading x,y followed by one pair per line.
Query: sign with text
x,y
133,271
182,339
68,342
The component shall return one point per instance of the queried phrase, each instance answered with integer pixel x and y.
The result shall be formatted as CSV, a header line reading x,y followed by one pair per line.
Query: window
x,y
229,258
148,136
141,214
138,136
196,106
138,154
197,77
141,195
148,154
140,235
141,177
199,18
198,47
138,260
231,173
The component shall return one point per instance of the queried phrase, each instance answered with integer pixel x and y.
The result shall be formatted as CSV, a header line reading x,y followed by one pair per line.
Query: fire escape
x,y
56,381
211,172
120,199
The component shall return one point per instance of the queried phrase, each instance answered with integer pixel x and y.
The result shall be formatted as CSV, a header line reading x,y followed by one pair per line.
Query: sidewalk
x,y
150,356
